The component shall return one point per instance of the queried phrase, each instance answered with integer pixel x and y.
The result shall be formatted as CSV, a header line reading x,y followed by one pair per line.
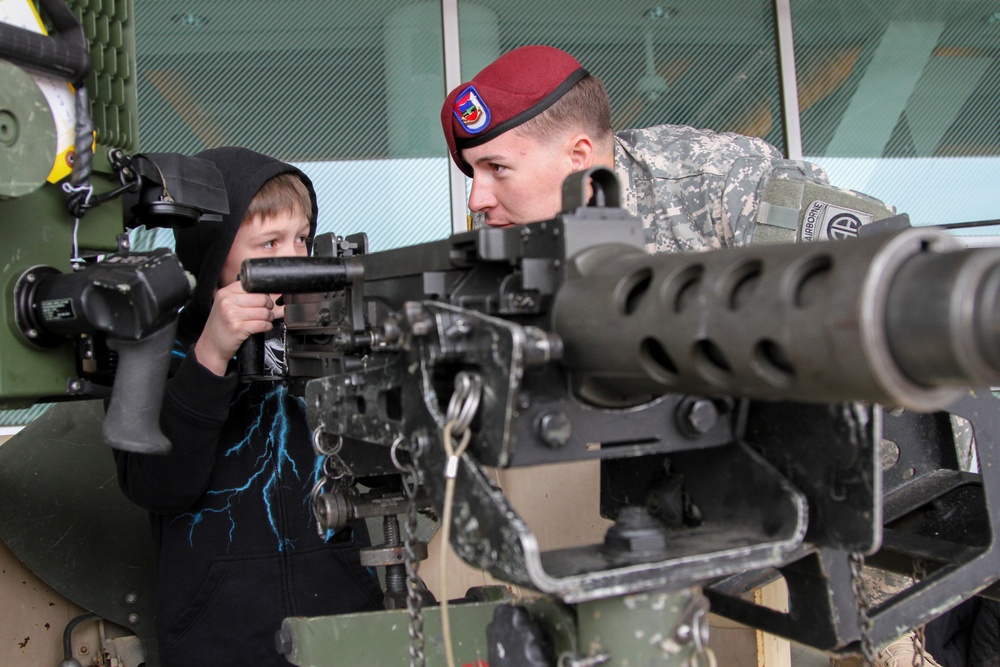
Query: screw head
x,y
697,416
555,429
635,533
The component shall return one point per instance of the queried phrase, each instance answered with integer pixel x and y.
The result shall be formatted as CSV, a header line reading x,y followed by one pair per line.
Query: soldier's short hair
x,y
585,107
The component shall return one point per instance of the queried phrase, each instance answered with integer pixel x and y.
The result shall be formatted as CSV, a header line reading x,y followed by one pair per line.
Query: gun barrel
x,y
908,319
297,275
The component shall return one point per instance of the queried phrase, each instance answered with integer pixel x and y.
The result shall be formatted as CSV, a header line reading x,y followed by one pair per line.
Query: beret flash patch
x,y
471,111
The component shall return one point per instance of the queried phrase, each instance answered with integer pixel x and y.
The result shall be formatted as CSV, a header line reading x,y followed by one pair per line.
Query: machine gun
x,y
734,399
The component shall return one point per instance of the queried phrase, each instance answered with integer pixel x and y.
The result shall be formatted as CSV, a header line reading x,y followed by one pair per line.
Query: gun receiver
x,y
907,319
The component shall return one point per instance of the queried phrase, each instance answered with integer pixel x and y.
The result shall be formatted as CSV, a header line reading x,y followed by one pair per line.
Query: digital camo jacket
x,y
696,189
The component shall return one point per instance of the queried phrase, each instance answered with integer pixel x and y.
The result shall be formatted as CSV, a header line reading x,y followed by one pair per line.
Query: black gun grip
x,y
250,358
132,422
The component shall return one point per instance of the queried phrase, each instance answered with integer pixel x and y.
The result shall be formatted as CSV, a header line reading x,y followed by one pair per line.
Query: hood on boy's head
x,y
203,248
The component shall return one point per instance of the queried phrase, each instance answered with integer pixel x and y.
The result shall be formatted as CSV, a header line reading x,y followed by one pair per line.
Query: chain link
x,y
702,656
862,602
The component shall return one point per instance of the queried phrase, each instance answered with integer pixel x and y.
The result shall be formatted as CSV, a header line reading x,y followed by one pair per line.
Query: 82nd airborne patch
x,y
824,221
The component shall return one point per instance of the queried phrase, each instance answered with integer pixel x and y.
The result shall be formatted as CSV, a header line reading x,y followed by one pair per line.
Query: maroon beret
x,y
512,89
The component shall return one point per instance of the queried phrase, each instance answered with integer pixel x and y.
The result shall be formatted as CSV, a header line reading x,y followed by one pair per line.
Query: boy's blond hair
x,y
285,193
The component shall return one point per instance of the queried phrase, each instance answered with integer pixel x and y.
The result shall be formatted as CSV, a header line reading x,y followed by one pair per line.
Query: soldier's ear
x,y
580,150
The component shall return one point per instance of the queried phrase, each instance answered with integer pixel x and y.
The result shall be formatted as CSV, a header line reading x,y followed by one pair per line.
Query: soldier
x,y
535,115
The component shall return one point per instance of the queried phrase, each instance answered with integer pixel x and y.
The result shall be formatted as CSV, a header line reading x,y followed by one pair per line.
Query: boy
x,y
237,548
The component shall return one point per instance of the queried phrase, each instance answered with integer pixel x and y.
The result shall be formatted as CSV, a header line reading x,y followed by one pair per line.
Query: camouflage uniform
x,y
702,190
696,189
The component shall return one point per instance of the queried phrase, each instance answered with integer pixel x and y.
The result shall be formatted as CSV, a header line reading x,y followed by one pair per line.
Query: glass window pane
x,y
712,64
901,99
349,92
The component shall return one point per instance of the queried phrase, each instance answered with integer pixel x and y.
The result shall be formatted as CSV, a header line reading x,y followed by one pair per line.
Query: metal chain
x,y
919,650
415,614
702,656
862,602
335,473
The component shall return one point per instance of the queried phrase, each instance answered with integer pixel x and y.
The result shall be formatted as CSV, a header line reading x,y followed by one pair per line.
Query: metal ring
x,y
465,401
334,468
697,630
318,445
696,659
317,488
314,496
397,444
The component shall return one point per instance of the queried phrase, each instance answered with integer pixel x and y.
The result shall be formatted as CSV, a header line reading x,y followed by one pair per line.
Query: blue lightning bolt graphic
x,y
271,464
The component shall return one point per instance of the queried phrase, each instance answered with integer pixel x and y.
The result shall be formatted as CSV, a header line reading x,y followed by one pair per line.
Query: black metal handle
x,y
132,422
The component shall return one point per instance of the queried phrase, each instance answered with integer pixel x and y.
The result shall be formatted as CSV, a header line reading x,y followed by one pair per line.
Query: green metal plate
x,y
380,639
63,515
38,231
27,133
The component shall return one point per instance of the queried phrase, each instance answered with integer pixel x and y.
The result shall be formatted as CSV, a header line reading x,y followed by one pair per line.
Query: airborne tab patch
x,y
471,111
825,221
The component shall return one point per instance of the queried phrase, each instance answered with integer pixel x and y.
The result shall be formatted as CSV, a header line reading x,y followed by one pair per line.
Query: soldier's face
x,y
517,179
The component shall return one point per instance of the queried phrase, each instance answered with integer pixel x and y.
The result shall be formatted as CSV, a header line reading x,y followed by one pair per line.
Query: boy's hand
x,y
236,314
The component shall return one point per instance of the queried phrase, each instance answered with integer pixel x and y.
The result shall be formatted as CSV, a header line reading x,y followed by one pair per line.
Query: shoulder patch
x,y
825,221
471,111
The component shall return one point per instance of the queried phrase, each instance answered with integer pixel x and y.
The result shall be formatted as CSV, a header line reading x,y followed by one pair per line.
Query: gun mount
x,y
732,396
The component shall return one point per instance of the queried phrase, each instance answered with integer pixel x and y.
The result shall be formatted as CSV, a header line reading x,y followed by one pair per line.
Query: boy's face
x,y
282,235
517,179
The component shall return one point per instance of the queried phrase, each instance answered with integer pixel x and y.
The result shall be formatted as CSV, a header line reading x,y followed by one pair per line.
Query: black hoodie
x,y
236,542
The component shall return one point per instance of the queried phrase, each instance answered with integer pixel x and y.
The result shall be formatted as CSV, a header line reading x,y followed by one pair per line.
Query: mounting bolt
x,y
133,618
554,429
131,598
697,416
635,532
